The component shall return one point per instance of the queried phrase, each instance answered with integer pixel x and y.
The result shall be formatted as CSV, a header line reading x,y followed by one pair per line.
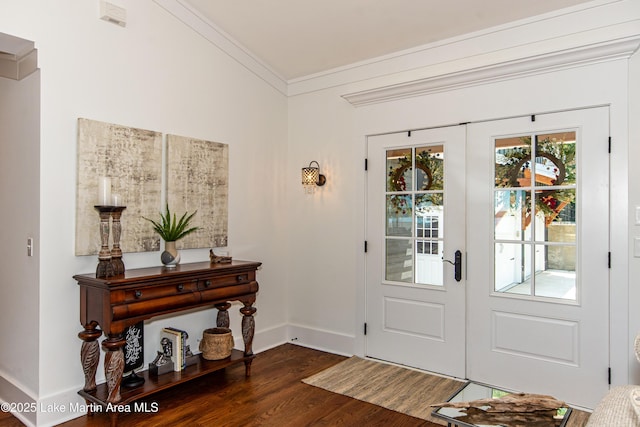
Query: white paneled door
x,y
538,244
524,305
415,209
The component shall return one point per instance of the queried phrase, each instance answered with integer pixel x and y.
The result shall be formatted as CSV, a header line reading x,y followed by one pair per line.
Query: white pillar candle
x,y
104,191
117,200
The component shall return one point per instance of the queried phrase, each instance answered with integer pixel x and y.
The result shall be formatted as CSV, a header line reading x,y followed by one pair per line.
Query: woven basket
x,y
216,343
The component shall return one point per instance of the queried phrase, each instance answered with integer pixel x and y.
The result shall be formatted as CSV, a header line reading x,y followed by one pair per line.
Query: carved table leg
x,y
90,354
114,365
248,329
222,321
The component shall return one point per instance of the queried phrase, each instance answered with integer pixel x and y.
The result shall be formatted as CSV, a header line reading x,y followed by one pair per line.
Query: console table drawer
x,y
156,305
229,292
227,280
153,292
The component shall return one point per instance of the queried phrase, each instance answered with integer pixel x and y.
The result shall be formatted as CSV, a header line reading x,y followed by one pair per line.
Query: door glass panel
x,y
429,168
399,260
536,235
399,215
513,162
556,158
512,215
429,215
512,268
558,279
400,169
415,212
429,262
557,211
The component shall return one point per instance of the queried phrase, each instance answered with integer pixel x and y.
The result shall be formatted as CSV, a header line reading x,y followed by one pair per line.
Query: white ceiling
x,y
298,38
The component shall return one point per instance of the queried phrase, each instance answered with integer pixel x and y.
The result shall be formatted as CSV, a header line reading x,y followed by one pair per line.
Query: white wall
x,y
158,74
20,214
155,74
325,228
465,81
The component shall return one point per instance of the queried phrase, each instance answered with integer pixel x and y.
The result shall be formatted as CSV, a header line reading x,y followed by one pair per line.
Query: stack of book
x,y
179,354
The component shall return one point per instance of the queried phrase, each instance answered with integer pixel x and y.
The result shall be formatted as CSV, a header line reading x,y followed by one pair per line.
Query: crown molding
x,y
571,38
225,42
563,59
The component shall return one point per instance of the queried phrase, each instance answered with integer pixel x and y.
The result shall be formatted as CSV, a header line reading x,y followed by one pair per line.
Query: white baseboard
x,y
61,407
12,393
305,336
266,339
331,342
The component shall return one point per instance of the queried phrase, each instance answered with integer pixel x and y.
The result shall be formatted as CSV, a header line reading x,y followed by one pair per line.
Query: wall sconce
x,y
312,178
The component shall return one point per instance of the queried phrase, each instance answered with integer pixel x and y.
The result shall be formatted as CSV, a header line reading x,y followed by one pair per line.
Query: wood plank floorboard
x,y
7,420
274,395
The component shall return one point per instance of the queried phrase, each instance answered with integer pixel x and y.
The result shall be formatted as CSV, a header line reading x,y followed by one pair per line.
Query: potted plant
x,y
171,230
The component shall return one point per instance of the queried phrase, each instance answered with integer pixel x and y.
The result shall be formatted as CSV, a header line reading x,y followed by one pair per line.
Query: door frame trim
x,y
620,337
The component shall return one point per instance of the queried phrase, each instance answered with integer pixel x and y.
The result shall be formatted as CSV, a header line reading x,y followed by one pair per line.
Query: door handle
x,y
457,265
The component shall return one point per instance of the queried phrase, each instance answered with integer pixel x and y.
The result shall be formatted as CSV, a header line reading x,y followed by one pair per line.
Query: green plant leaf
x,y
170,228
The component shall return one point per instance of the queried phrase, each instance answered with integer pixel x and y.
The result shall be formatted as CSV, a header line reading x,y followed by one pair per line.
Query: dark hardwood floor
x,y
273,396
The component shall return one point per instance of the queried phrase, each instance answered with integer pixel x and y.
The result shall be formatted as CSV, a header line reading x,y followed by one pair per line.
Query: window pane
x,y
558,278
512,268
429,266
429,168
513,162
555,162
399,215
429,214
399,260
512,215
561,227
399,169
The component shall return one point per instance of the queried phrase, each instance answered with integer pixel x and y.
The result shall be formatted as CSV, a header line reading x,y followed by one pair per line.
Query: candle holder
x,y
116,252
105,268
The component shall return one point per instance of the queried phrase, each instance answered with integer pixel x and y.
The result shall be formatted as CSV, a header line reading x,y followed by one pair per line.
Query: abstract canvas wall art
x,y
198,179
132,158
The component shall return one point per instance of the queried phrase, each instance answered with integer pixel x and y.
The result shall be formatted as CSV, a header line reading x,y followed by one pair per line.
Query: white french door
x,y
538,279
527,204
415,208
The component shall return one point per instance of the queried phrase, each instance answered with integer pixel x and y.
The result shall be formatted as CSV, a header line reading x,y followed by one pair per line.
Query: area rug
x,y
393,387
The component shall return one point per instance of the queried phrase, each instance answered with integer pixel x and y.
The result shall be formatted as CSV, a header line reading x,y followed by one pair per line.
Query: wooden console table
x,y
110,305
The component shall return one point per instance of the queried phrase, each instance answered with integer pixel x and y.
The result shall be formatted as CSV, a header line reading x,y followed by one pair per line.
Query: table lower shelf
x,y
153,384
